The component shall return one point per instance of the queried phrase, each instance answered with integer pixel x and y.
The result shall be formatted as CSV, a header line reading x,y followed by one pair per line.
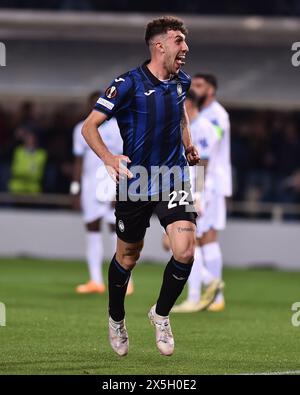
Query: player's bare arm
x,y
190,150
113,163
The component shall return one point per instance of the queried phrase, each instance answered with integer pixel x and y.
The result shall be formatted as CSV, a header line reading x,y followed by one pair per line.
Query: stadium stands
x,y
60,66
236,7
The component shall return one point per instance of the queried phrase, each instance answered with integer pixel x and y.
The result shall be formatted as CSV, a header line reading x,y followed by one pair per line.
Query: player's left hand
x,y
192,155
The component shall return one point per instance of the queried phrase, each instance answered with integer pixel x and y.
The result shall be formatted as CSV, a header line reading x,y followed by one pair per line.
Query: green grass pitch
x,y
51,330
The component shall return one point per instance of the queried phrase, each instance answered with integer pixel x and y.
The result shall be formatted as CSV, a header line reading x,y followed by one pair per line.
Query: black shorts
x,y
133,218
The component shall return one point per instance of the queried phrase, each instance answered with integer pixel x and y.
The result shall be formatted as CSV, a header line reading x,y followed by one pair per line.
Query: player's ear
x,y
160,47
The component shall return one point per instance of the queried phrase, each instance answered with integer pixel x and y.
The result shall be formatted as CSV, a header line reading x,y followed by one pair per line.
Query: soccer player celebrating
x,y
84,188
148,103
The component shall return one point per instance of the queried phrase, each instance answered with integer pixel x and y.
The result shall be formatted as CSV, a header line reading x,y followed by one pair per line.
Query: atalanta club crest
x,y
179,89
121,225
111,92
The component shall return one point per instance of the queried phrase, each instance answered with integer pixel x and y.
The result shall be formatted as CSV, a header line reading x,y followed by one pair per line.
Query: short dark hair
x,y
163,25
191,95
211,79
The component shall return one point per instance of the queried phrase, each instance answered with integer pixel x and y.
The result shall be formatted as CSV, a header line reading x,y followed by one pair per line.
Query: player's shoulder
x,y
185,80
203,124
184,77
123,77
122,81
220,109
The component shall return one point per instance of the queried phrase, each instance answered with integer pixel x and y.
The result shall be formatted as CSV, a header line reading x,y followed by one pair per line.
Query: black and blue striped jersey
x,y
149,113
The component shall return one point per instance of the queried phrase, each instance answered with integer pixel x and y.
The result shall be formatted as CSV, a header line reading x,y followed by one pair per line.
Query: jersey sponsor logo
x,y
105,103
121,225
119,80
149,92
179,89
111,92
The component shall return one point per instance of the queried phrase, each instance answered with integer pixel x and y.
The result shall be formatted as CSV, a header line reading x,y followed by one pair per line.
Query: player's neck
x,y
158,70
193,115
208,102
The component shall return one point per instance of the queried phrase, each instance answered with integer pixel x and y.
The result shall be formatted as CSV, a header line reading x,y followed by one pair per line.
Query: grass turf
x,y
51,330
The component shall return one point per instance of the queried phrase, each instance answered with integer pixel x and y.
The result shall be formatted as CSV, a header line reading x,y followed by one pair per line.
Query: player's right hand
x,y
192,155
117,168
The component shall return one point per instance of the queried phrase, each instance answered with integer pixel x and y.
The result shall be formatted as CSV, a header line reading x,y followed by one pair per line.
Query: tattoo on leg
x,y
180,229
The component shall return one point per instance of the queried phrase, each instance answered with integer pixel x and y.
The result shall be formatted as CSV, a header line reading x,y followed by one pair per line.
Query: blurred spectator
x,y
240,154
26,113
291,186
265,149
4,142
28,165
286,150
259,180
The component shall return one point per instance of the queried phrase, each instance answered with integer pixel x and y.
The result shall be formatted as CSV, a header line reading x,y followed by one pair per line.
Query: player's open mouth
x,y
180,60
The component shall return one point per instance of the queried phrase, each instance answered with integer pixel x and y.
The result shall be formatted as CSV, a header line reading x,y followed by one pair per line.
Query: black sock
x,y
118,278
175,277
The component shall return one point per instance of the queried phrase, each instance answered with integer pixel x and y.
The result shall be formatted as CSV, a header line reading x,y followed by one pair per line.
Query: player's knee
x,y
130,258
185,255
129,262
166,242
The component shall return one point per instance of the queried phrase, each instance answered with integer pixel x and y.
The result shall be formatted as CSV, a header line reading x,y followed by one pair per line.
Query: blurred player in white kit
x,y
93,191
208,264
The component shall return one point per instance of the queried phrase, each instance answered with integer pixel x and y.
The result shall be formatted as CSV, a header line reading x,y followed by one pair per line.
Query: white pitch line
x,y
270,373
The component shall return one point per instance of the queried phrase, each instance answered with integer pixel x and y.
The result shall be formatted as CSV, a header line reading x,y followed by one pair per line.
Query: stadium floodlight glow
x,y
2,314
296,56
2,54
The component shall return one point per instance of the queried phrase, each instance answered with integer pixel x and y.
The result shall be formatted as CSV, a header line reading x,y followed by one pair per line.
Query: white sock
x,y
206,276
94,254
199,275
213,260
194,280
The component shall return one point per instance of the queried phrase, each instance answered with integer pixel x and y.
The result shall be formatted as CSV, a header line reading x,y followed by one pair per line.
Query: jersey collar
x,y
151,77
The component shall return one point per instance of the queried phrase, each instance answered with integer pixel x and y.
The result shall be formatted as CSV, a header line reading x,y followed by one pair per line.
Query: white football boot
x,y
118,336
163,332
